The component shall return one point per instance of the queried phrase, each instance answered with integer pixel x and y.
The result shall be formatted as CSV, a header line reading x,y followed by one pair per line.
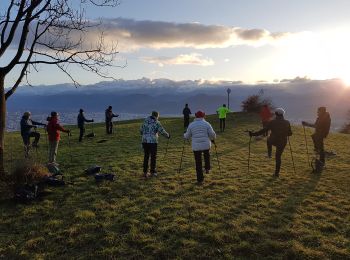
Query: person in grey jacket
x,y
202,135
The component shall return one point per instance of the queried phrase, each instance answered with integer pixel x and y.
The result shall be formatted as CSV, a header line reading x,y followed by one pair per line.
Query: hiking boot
x,y
207,171
146,175
154,174
35,145
276,175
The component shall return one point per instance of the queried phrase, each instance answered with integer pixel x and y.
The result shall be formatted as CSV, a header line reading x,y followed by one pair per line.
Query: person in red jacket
x,y
53,131
266,116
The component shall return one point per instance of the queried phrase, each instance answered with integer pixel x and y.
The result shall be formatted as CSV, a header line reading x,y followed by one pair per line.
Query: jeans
x,y
109,127
319,146
186,122
53,147
81,133
222,124
198,160
150,150
279,150
26,138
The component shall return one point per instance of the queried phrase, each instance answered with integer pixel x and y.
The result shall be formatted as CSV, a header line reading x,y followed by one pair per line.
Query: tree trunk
x,y
2,125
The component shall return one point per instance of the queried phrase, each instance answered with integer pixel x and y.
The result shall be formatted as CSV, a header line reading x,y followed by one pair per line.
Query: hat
x,y
199,114
81,110
280,111
53,113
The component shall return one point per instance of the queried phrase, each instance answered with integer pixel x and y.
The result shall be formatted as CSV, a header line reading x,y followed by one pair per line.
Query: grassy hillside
x,y
233,213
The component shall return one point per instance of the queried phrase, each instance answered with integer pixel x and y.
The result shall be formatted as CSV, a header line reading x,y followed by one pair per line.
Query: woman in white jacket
x,y
202,134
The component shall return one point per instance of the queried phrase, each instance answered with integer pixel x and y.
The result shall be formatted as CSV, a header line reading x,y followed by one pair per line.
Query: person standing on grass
x,y
108,118
202,135
81,123
186,112
265,116
280,130
27,126
150,129
53,131
222,112
322,127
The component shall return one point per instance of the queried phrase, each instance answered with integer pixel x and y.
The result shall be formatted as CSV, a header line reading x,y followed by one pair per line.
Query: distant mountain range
x,y
300,97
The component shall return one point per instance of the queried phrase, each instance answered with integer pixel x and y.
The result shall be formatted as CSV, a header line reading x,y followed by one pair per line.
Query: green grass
x,y
233,214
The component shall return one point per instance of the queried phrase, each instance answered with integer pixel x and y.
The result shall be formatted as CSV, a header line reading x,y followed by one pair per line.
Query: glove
x,y
303,123
213,141
250,133
69,133
168,136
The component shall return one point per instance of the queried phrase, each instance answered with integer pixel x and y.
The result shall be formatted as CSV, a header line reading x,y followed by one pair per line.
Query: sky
x,y
251,41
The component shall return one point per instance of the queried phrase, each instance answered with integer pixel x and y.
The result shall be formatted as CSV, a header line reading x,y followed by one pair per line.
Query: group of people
x,y
280,130
274,126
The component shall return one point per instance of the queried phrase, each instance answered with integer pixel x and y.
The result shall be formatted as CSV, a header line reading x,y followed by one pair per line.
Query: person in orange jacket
x,y
53,131
265,116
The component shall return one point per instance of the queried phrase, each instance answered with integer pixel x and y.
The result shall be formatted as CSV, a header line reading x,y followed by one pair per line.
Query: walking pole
x,y
217,157
47,142
70,149
182,154
166,149
250,140
291,154
307,148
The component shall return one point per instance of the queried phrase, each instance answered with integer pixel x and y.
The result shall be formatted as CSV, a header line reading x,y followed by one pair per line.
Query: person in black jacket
x,y
186,112
27,126
280,130
108,118
81,123
322,126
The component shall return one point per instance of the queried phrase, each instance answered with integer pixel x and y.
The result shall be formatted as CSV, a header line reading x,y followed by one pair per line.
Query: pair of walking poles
x,y
183,151
290,148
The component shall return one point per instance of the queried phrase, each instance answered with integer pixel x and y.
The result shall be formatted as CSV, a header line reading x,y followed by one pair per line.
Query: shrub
x,y
28,173
254,103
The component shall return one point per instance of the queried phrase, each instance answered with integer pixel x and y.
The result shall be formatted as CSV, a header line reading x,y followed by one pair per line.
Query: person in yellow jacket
x,y
222,111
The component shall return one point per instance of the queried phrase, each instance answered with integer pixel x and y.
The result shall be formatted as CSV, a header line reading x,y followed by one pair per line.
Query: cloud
x,y
133,35
182,59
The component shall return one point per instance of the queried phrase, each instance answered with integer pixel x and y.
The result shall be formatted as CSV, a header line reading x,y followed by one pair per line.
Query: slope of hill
x,y
233,214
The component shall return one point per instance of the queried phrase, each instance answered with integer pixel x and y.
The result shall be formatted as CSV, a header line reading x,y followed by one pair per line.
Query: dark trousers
x,y
150,150
81,133
198,160
186,122
222,124
279,150
26,138
109,127
319,146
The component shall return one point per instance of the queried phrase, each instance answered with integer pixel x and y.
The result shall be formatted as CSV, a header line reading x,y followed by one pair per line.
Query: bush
x,y
254,103
28,173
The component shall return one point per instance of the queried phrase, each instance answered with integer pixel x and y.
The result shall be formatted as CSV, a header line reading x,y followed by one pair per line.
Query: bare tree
x,y
49,32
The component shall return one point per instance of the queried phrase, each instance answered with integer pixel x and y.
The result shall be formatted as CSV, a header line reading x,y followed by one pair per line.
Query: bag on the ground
x,y
26,193
90,135
53,169
55,180
104,176
93,170
317,166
